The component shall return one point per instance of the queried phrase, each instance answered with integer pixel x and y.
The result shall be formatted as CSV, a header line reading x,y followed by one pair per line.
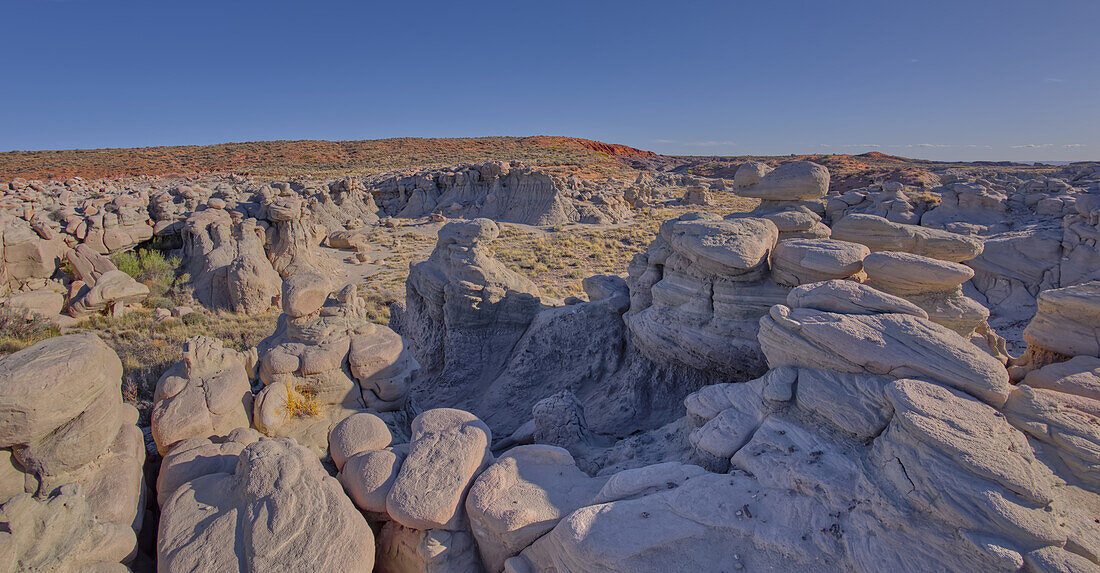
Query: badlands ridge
x,y
898,376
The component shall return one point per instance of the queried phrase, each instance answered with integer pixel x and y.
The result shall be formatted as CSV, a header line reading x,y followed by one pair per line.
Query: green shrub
x,y
194,319
128,263
147,265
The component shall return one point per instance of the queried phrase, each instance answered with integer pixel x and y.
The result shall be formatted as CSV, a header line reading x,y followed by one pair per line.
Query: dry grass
x,y
20,329
147,348
555,259
926,199
301,401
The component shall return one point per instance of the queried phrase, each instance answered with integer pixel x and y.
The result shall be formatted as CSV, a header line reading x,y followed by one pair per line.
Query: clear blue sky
x,y
1007,79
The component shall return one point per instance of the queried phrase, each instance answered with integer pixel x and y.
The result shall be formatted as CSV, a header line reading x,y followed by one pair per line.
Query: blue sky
x,y
1008,79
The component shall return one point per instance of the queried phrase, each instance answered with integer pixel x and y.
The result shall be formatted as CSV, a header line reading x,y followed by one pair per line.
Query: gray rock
x,y
277,510
449,448
792,181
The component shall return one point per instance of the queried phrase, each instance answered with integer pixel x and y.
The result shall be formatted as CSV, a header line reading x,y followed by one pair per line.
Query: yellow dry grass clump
x,y
301,401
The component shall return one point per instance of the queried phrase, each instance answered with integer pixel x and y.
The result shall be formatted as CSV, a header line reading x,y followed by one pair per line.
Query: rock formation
x,y
276,509
326,361
791,198
762,392
502,191
101,287
207,394
227,262
71,488
699,290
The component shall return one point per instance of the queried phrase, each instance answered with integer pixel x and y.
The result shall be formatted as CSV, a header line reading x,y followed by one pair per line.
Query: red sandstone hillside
x,y
287,159
297,158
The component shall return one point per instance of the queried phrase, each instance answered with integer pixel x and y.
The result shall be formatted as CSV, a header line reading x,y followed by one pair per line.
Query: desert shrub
x,y
194,319
127,262
20,329
147,265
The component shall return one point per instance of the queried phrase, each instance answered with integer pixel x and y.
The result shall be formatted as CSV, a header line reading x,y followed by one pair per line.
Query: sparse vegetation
x,y
19,329
161,274
301,401
147,348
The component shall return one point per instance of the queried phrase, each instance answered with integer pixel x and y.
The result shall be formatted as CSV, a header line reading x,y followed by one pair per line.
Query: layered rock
x,y
26,257
276,510
293,238
879,234
503,191
699,290
802,261
935,286
888,200
838,460
1065,322
71,486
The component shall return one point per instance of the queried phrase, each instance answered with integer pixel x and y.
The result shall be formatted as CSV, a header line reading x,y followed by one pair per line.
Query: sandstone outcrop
x,y
502,191
276,510
522,496
935,286
206,394
882,235
794,181
821,456
699,290
750,173
72,490
802,261
325,362
1066,320
227,262
792,199
25,256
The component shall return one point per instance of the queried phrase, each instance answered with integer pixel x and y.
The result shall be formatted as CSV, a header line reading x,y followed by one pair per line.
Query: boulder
x,y
277,510
43,302
356,434
368,477
880,234
801,261
905,273
898,345
750,173
794,181
449,448
1066,320
522,496
848,297
70,440
101,287
206,394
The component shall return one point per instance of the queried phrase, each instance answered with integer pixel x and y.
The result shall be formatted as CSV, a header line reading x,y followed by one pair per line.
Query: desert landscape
x,y
549,287
561,355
